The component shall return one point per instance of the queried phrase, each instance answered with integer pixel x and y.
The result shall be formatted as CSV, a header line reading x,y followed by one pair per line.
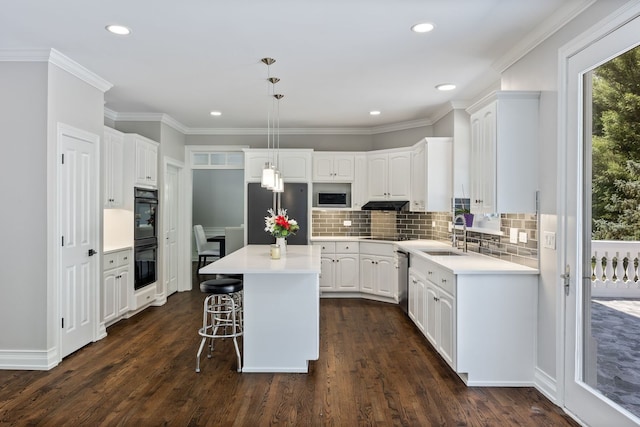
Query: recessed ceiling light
x,y
374,113
446,86
120,30
423,27
216,113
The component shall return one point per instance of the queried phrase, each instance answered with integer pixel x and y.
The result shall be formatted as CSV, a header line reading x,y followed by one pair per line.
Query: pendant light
x,y
279,182
268,172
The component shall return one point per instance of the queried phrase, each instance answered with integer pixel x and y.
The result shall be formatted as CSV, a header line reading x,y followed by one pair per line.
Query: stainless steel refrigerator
x,y
294,199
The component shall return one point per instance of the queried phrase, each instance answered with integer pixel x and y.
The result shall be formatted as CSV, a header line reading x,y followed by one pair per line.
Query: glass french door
x,y
582,397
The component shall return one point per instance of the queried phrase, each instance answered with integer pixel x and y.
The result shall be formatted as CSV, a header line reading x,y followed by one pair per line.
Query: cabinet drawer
x,y
447,281
110,260
123,258
144,296
381,249
346,247
327,247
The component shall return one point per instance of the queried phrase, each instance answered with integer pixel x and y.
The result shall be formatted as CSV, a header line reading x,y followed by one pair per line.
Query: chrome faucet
x,y
464,232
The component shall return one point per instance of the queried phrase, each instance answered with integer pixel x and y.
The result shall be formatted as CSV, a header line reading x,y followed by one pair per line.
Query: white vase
x,y
282,242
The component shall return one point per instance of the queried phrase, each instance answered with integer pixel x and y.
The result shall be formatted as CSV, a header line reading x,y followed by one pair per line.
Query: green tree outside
x,y
616,149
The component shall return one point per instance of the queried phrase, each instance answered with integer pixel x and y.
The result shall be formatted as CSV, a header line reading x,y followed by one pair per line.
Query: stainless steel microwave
x,y
334,200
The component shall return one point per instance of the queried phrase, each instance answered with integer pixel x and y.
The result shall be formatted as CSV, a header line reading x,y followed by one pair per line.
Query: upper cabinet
x,y
504,152
359,193
389,175
145,160
113,168
431,175
295,165
333,167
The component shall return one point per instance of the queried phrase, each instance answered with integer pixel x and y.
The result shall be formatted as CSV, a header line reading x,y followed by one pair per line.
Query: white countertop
x,y
115,248
253,259
466,263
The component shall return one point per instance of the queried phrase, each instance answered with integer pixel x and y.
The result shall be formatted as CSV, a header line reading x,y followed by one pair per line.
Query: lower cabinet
x,y
378,275
339,269
482,325
417,299
116,285
440,322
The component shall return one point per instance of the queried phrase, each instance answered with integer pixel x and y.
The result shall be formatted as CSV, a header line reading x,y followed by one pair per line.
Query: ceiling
x,y
337,59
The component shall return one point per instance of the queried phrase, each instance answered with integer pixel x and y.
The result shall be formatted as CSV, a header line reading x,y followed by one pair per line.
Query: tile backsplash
x,y
432,226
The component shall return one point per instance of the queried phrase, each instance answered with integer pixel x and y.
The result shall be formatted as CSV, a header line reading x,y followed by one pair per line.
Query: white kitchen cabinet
x,y
483,325
378,273
339,267
333,167
504,146
113,168
116,285
440,321
145,160
417,299
389,175
432,175
360,187
295,165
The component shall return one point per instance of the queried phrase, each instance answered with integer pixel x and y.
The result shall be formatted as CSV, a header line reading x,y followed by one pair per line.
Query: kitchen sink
x,y
441,252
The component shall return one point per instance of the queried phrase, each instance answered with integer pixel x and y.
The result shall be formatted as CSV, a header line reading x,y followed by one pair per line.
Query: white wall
x,y
539,71
400,138
23,217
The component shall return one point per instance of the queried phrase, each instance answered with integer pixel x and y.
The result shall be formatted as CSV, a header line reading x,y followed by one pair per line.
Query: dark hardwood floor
x,y
375,368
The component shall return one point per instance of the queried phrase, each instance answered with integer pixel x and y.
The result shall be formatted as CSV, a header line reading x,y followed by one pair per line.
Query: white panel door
x,y
171,251
78,225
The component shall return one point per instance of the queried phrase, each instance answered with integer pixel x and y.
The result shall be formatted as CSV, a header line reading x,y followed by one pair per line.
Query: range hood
x,y
385,205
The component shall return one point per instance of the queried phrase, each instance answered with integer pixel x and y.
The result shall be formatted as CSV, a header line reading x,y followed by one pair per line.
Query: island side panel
x,y
496,329
282,322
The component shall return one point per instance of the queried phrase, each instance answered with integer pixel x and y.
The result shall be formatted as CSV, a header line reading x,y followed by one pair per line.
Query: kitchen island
x,y
281,306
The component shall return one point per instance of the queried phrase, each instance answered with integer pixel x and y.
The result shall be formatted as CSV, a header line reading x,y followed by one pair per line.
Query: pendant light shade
x,y
268,176
279,187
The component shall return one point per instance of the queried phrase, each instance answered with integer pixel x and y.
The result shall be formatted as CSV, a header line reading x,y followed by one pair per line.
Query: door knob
x,y
92,252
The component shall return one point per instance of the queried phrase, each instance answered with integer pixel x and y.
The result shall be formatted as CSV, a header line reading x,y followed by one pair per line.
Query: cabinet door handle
x,y
444,280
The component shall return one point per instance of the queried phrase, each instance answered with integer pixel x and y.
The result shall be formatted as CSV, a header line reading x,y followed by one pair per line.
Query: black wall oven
x,y
145,236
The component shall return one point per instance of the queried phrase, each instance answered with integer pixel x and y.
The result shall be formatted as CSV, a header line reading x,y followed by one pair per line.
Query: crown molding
x,y
84,74
394,127
170,121
549,27
58,59
147,117
24,55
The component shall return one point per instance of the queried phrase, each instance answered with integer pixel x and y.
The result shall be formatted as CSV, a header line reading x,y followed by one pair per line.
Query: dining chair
x,y
234,239
205,249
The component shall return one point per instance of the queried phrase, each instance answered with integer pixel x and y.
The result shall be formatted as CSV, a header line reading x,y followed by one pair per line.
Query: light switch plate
x,y
513,235
549,240
522,237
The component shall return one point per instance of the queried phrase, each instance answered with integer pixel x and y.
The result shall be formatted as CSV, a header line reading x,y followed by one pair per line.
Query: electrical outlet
x,y
449,226
513,235
522,237
346,223
549,241
433,224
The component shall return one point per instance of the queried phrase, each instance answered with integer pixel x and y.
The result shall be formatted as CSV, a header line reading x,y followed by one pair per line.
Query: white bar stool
x,y
222,315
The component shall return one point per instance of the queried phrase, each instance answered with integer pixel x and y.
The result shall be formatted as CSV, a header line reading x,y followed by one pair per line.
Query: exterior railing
x,y
614,269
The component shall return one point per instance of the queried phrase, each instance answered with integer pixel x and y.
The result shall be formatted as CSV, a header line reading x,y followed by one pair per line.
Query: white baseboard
x,y
546,385
34,360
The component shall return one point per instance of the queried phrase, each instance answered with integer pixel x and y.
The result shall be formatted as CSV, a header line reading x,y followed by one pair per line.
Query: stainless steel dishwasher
x,y
403,280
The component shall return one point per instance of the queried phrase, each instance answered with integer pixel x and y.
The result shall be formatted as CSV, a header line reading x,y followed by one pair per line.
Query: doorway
x,y
176,275
583,363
